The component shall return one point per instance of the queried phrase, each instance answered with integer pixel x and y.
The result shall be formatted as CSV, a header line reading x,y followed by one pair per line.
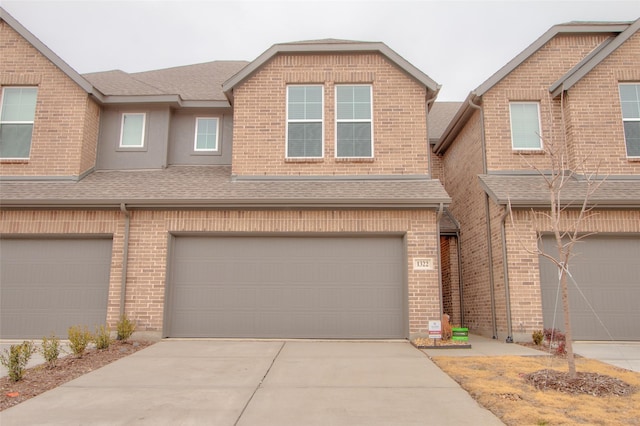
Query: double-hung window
x,y
304,121
206,139
630,102
525,126
132,131
354,129
17,112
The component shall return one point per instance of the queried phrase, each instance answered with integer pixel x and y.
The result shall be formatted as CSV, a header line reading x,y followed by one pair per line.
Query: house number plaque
x,y
423,264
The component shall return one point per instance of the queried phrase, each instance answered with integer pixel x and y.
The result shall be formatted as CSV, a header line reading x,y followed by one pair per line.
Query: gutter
x,y
505,266
125,256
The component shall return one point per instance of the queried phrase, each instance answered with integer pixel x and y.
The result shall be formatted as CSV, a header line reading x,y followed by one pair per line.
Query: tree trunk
x,y
571,362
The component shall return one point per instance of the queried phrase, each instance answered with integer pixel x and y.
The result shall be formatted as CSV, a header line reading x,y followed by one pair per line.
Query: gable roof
x,y
620,32
581,69
48,53
329,46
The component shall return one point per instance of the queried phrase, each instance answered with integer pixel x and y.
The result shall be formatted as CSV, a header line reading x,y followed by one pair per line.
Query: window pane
x,y
304,103
304,140
354,140
630,100
353,102
206,134
132,130
525,126
18,103
15,140
632,137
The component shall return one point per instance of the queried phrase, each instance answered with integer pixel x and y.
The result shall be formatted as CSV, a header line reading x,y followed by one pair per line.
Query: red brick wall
x,y
63,144
399,116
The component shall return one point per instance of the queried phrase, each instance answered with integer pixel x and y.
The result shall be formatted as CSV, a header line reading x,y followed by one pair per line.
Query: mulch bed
x,y
585,383
41,378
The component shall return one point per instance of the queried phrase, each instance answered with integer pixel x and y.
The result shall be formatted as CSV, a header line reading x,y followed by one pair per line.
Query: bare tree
x,y
566,217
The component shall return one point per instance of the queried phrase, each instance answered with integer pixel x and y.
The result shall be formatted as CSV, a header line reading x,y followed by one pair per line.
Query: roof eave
x,y
247,71
457,123
173,100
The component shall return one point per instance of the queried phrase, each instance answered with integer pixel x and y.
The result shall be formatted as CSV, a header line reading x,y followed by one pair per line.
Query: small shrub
x,y
79,338
537,337
50,350
16,358
102,337
124,328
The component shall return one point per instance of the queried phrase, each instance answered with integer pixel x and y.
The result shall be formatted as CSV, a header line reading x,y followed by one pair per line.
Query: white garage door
x,y
48,285
607,271
286,287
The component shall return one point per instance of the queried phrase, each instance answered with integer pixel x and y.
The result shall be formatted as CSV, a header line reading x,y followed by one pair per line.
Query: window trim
x,y
513,147
32,122
143,133
195,137
288,120
337,120
626,145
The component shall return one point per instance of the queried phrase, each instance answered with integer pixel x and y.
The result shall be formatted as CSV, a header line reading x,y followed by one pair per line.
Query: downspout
x,y
488,221
507,295
438,256
429,150
460,280
125,257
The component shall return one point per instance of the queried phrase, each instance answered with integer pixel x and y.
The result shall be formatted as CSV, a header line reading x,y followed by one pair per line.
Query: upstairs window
x,y
206,139
304,121
17,111
354,130
630,102
132,132
525,125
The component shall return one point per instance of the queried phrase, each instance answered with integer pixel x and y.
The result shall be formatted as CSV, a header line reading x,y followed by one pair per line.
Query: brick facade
x,y
399,117
65,127
149,236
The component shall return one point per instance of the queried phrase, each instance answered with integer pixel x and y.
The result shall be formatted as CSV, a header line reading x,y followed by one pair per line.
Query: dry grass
x,y
496,383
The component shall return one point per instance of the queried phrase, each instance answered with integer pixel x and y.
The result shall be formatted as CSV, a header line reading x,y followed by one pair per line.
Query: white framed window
x,y
17,113
132,130
630,103
305,116
354,124
206,138
525,126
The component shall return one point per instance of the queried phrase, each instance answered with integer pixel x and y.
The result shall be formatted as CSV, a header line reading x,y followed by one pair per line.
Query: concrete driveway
x,y
182,382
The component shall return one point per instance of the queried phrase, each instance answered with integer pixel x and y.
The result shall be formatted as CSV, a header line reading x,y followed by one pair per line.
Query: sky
x,y
459,44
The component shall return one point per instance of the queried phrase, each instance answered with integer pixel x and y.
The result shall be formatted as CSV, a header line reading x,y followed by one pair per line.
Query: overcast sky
x,y
459,44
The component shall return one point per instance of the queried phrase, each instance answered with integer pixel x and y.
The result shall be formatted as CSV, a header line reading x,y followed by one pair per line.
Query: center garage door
x,y
286,287
607,270
48,285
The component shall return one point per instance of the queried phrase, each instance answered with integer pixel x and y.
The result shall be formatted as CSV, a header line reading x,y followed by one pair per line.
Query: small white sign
x,y
435,329
423,264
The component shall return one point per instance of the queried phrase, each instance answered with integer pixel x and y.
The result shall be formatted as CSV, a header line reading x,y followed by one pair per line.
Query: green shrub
x,y
124,328
537,337
79,338
102,337
16,358
50,350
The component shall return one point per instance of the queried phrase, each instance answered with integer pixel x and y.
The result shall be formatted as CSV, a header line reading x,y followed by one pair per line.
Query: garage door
x,y
607,271
49,285
286,287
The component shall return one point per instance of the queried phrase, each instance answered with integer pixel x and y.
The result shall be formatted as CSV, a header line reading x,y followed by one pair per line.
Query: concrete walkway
x,y
483,346
621,354
182,382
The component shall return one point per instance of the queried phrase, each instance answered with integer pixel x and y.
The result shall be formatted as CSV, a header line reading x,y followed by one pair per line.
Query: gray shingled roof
x,y
190,82
439,118
531,191
211,186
